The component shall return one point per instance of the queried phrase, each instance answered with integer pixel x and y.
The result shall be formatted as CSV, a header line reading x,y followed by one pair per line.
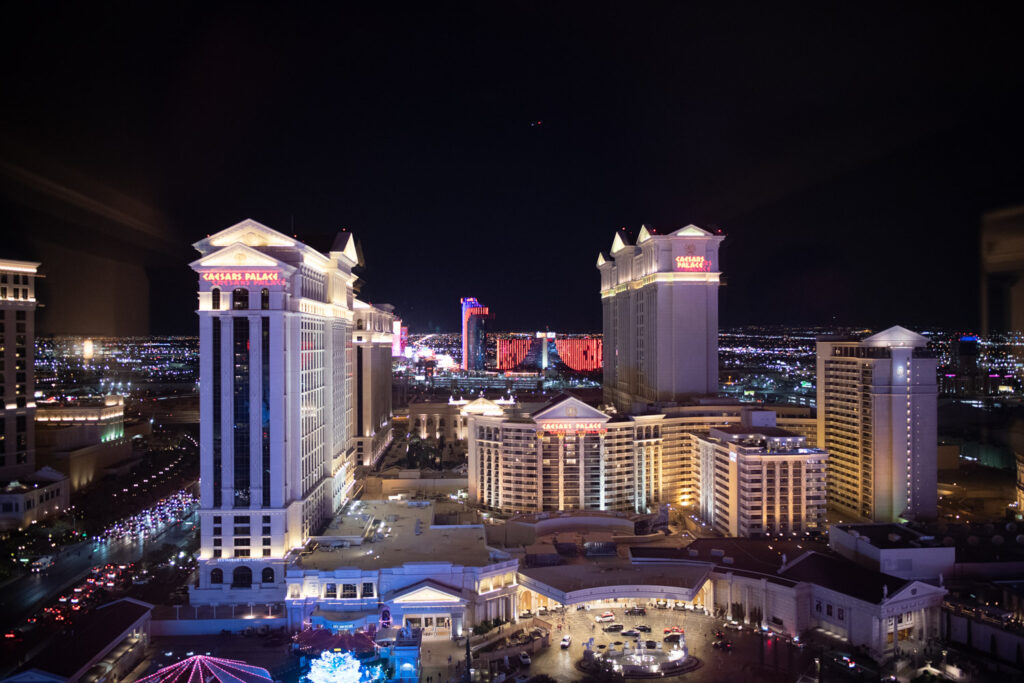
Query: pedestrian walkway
x,y
441,661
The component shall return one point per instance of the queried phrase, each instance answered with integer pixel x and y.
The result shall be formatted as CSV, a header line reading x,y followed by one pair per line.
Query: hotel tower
x,y
660,306
279,400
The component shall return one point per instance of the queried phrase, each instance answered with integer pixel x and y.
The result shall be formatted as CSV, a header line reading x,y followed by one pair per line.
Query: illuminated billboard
x,y
243,278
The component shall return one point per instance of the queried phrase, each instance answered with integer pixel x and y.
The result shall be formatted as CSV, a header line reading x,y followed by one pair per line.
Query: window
x,y
240,299
241,541
331,590
241,577
839,613
828,610
265,299
367,590
216,542
348,590
244,552
215,298
217,576
217,553
266,541
817,606
217,519
267,576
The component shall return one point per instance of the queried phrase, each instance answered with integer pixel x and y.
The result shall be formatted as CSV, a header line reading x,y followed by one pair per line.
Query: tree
x,y
756,616
737,611
342,667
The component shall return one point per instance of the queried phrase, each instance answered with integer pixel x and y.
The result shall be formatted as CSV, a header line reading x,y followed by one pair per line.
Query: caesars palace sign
x,y
243,277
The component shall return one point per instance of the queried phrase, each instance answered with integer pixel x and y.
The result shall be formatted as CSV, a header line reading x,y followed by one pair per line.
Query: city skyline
x,y
825,145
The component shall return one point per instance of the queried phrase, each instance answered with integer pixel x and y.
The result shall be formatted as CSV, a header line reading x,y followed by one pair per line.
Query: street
x,y
23,596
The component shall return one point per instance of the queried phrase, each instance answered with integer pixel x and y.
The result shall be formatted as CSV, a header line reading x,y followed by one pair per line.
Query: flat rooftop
x,y
392,539
886,536
617,572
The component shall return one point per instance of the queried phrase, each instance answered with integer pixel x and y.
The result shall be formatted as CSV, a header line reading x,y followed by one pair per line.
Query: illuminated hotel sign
x,y
573,426
691,263
243,277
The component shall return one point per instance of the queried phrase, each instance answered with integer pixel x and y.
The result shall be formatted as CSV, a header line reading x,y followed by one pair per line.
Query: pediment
x,y
692,231
916,589
426,593
237,255
251,233
570,408
618,244
644,235
896,336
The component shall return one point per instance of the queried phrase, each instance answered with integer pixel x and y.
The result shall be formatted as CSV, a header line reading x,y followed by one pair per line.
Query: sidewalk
x,y
435,656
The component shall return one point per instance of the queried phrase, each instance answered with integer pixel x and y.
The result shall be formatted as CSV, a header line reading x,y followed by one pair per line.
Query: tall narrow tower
x,y
17,374
877,418
660,305
474,334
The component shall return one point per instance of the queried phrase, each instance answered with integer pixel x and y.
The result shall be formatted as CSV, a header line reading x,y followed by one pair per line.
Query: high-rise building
x,y
474,334
374,338
660,307
17,356
757,479
281,391
26,495
877,419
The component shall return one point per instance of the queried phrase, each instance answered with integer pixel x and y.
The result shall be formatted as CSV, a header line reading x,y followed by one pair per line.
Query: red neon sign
x,y
572,426
244,277
692,263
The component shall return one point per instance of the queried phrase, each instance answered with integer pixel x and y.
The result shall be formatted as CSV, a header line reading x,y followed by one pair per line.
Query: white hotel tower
x,y
278,379
660,309
877,418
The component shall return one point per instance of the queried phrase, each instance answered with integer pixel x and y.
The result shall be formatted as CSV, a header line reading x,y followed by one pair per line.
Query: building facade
x,y
757,479
659,302
26,495
568,455
17,357
278,401
474,334
877,419
373,340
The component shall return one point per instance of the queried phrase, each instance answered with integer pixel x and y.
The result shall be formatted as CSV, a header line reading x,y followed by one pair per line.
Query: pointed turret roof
x,y
896,336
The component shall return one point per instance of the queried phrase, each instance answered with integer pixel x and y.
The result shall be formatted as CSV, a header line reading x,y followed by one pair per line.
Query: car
x,y
542,611
843,659
679,607
604,616
636,611
734,626
643,628
566,641
798,642
673,638
722,645
526,615
631,633
650,644
661,604
524,659
719,634
610,628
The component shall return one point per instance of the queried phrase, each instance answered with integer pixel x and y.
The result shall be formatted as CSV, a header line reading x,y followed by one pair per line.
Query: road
x,y
25,595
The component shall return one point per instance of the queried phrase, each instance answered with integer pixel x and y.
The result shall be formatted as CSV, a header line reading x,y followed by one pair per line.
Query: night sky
x,y
847,152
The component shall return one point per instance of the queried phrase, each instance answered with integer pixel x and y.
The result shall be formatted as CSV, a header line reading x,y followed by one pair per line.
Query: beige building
x,y
569,455
877,419
757,479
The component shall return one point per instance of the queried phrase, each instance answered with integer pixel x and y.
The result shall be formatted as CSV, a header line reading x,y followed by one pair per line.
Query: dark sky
x,y
847,151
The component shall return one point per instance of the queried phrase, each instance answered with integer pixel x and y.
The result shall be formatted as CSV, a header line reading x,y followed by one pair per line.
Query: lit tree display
x,y
342,667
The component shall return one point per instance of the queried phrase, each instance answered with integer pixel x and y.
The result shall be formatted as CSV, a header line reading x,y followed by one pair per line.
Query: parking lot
x,y
742,662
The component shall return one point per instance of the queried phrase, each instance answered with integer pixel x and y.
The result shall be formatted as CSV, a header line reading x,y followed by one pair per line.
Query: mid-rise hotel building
x,y
757,479
280,397
660,307
567,455
474,334
877,419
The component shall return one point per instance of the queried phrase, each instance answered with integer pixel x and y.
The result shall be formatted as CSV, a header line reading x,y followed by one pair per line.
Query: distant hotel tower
x,y
877,419
286,399
474,334
660,307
